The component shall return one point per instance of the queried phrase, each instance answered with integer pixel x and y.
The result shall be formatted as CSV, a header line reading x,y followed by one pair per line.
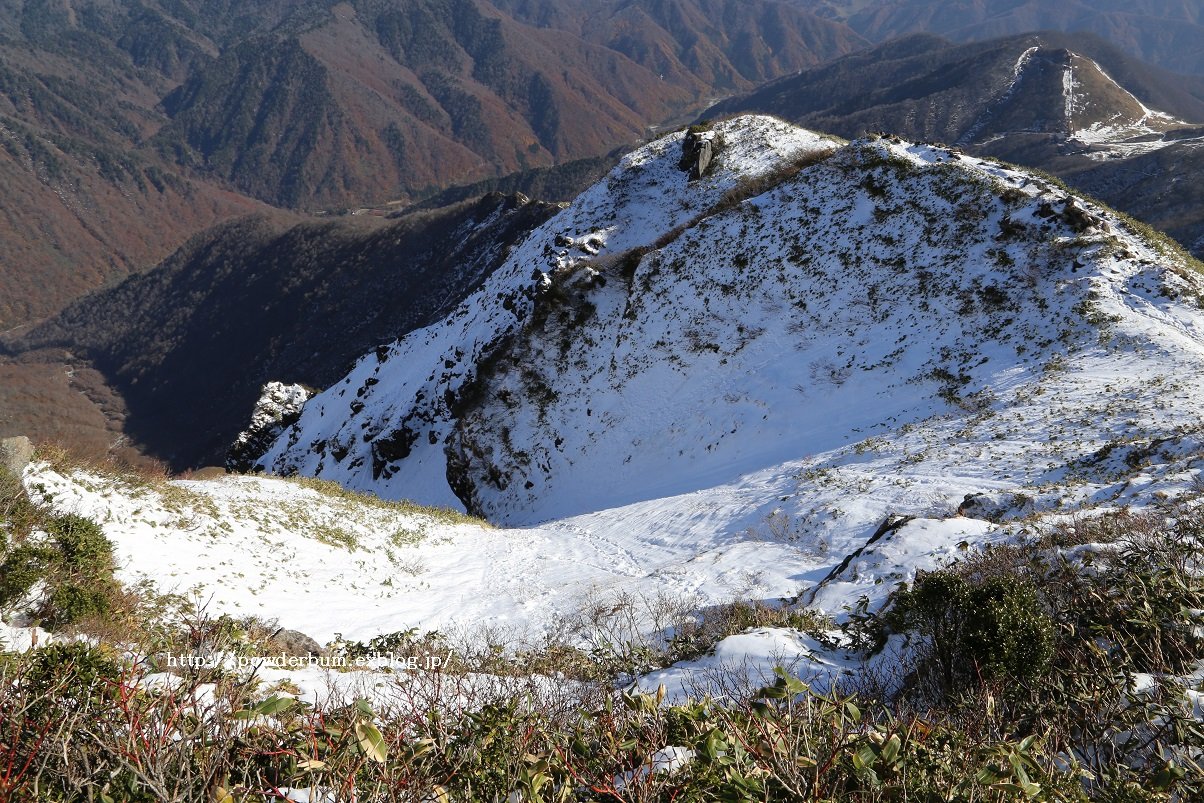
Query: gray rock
x,y
15,453
705,154
698,149
208,473
294,642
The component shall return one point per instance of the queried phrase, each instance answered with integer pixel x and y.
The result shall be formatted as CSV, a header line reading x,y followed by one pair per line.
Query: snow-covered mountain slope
x,y
385,426
905,322
801,379
1110,120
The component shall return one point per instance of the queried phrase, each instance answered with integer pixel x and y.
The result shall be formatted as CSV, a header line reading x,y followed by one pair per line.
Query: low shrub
x,y
986,630
58,569
18,516
103,738
1083,635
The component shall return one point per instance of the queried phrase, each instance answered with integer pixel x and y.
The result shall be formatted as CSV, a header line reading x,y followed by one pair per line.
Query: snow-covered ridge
x,y
383,427
889,285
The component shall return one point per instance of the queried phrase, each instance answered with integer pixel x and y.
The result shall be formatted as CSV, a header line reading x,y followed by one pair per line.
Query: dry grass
x,y
333,490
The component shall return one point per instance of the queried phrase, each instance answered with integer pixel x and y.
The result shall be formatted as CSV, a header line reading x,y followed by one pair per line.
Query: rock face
x,y
15,453
698,150
279,406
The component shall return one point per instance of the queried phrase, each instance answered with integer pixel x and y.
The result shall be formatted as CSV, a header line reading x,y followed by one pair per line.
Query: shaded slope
x,y
561,182
188,345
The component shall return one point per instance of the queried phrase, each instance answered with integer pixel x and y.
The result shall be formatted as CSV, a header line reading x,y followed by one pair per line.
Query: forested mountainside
x,y
128,127
175,358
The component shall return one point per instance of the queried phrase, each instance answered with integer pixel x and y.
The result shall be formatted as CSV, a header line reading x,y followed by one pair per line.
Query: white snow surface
x,y
890,330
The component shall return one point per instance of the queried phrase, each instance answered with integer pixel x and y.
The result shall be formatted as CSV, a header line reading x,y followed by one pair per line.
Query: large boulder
x,y
15,454
294,643
698,150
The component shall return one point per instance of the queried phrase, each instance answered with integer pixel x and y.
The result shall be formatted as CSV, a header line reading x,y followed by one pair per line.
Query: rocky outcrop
x,y
294,643
279,406
698,151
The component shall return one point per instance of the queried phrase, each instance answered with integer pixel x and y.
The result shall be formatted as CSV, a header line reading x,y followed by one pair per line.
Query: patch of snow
x,y
1068,85
665,761
20,639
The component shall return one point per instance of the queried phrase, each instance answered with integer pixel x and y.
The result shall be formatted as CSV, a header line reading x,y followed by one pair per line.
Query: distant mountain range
x,y
1169,33
1070,104
129,126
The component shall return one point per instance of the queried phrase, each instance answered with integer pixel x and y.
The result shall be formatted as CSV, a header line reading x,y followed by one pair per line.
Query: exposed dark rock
x,y
986,506
390,448
698,151
1078,218
279,407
